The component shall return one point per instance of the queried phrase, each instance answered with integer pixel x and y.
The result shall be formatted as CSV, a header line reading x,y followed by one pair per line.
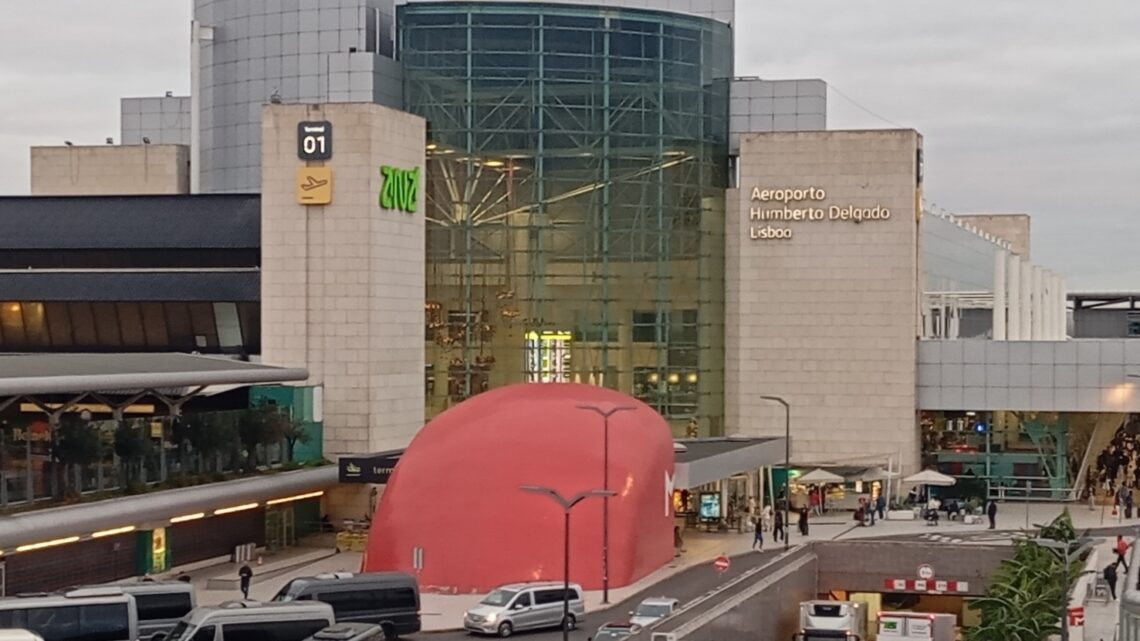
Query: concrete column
x,y
1013,275
1063,308
1037,328
1047,315
1000,259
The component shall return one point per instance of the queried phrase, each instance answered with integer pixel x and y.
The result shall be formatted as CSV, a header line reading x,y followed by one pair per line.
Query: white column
x,y
1037,327
195,107
1000,259
1061,309
1047,315
1013,275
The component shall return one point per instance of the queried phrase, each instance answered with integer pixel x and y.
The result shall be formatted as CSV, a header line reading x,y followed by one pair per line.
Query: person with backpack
x,y
1110,579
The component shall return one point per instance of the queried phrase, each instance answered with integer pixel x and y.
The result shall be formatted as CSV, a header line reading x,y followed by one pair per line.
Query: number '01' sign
x,y
314,140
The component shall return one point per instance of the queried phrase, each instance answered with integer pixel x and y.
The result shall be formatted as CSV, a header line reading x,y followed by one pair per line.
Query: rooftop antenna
x,y
275,97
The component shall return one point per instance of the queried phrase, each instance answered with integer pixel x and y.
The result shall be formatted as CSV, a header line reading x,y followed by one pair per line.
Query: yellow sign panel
x,y
314,185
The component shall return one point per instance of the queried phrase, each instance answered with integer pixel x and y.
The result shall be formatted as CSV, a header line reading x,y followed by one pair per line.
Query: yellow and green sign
x,y
401,189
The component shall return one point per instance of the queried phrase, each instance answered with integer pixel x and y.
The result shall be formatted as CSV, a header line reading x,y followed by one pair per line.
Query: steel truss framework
x,y
576,176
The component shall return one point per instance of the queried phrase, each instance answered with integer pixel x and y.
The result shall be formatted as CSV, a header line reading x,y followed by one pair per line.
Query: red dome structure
x,y
456,493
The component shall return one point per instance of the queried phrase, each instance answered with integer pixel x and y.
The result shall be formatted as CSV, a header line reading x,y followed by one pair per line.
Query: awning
x,y
26,374
368,468
706,460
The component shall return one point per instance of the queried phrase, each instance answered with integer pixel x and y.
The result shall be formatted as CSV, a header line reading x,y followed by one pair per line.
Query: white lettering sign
x,y
798,204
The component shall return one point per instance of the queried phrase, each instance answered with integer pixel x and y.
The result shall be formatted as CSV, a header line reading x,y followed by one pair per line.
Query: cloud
x,y
1023,108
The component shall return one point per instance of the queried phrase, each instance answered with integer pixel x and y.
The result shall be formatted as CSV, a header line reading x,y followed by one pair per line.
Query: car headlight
x,y
491,617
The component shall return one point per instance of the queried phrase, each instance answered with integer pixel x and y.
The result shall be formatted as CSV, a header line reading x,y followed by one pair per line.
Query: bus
x,y
84,614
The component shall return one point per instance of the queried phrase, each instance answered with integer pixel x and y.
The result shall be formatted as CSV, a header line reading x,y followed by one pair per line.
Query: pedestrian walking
x,y
778,533
991,511
1121,550
881,506
1110,579
804,521
246,575
758,540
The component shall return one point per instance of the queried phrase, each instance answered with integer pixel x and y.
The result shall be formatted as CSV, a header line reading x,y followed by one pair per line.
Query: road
x,y
685,586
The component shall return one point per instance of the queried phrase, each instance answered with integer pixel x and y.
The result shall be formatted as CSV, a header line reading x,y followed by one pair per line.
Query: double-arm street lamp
x,y
606,410
1067,551
787,465
567,504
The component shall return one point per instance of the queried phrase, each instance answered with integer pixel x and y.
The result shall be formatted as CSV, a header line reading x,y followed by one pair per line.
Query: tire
x,y
506,629
570,623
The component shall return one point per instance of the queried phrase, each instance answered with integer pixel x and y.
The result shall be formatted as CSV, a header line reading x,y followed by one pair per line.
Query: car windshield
x,y
284,593
499,597
178,632
651,610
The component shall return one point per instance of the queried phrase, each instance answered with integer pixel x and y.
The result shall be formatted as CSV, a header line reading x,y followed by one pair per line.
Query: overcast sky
x,y
1023,108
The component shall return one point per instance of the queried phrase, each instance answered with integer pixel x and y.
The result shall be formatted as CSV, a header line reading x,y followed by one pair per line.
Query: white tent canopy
x,y
931,477
819,477
874,474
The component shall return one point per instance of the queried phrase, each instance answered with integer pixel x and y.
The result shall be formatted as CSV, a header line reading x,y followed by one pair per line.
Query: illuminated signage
x,y
401,190
773,209
314,140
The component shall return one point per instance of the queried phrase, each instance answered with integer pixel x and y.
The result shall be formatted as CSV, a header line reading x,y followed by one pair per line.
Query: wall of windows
x,y
82,326
577,163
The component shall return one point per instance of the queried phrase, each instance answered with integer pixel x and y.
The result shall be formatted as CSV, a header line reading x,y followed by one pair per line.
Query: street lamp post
x,y
1067,551
787,465
567,504
606,411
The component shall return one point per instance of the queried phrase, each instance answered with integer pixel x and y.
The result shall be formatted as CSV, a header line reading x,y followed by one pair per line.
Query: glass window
x,y
59,324
272,630
154,325
131,325
83,325
522,601
399,599
12,324
203,634
103,622
53,624
499,598
351,601
645,327
170,605
35,325
107,325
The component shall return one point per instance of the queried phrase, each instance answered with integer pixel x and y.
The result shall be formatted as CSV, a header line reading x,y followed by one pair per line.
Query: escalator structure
x,y
1049,434
1095,432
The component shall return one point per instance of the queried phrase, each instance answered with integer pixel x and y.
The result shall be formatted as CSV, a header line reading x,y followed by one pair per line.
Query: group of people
x,y
775,518
1109,572
1117,471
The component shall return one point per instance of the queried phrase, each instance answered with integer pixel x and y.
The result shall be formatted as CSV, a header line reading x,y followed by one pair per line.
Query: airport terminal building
x,y
418,201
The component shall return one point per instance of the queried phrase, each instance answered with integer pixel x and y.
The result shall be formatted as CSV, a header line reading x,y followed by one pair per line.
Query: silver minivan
x,y
252,621
160,604
525,606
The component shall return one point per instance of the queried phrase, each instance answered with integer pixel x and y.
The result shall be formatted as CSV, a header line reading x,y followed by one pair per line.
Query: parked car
x,y
525,606
616,631
653,609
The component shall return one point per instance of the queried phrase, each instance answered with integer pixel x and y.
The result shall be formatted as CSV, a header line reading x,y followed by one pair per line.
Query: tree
x,y
1025,597
210,434
76,444
131,446
259,425
294,431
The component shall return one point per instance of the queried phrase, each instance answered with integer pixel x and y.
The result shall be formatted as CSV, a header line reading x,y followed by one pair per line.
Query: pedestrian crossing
x,y
967,537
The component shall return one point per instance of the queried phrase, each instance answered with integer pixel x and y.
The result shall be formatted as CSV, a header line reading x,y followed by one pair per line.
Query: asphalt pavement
x,y
685,586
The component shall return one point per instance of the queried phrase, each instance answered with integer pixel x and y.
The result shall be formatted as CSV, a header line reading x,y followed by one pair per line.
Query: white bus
x,y
85,614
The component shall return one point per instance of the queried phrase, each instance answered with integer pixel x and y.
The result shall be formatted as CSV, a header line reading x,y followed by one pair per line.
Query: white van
x,y
160,604
252,621
525,606
104,613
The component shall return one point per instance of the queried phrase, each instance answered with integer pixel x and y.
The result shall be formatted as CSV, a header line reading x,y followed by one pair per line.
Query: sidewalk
x,y
445,612
1101,617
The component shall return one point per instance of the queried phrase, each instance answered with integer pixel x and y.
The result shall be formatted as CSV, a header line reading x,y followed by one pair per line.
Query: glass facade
x,y
129,326
577,163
